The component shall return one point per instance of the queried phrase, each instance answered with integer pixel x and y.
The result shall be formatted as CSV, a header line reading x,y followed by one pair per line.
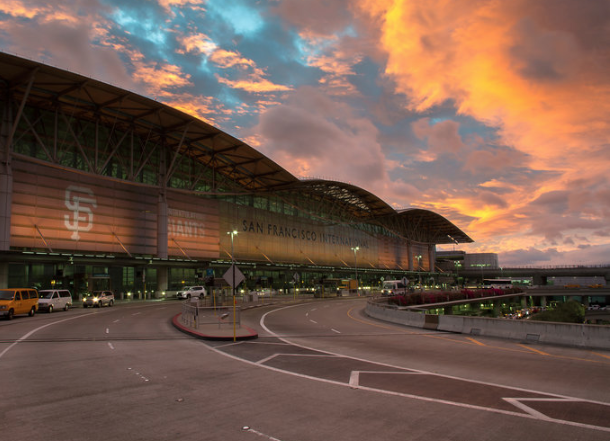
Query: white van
x,y
394,287
51,299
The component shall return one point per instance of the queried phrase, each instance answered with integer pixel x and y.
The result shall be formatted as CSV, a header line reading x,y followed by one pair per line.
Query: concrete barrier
x,y
400,316
567,334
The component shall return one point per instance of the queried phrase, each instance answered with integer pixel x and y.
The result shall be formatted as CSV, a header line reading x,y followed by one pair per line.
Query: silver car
x,y
191,291
98,299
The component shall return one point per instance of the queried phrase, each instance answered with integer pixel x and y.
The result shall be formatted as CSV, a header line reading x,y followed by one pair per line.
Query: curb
x,y
245,333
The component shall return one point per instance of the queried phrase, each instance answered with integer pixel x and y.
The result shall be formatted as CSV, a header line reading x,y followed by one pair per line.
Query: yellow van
x,y
18,301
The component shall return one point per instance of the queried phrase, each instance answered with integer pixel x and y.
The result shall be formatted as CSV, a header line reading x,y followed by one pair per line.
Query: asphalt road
x,y
320,370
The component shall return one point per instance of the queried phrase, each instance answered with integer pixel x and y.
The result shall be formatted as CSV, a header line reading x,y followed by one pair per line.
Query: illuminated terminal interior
x,y
103,188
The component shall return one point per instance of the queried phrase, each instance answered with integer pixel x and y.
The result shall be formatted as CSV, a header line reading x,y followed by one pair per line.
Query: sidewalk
x,y
214,331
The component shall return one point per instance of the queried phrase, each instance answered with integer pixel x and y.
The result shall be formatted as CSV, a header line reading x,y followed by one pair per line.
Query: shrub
x,y
419,298
568,312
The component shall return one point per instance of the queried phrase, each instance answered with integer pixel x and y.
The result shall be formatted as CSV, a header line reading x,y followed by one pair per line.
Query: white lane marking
x,y
517,403
386,392
138,374
116,321
283,354
355,378
256,432
26,336
110,345
334,330
136,313
107,330
313,321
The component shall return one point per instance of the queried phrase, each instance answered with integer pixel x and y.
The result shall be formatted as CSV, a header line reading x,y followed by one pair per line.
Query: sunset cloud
x,y
197,43
493,114
228,59
160,76
531,70
17,8
254,84
313,133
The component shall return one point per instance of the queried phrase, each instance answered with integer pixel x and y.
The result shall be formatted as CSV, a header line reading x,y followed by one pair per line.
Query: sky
x,y
494,114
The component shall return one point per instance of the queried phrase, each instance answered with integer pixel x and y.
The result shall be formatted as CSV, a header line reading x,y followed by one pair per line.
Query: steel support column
x,y
6,174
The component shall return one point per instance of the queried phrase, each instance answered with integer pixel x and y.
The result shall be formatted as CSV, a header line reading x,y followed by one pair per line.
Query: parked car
x,y
191,291
98,299
51,299
18,301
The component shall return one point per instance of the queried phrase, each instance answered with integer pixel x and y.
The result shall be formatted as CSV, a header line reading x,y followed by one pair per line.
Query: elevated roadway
x,y
539,275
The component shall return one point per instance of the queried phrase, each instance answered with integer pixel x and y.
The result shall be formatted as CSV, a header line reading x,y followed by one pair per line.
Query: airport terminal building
x,y
102,187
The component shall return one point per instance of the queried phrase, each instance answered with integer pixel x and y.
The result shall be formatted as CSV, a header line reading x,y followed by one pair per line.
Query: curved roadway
x,y
320,370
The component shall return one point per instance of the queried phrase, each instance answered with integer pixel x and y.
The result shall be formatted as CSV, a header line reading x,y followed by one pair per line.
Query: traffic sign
x,y
234,274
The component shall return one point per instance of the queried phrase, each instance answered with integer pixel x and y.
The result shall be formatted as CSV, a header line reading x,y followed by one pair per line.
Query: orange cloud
x,y
535,72
256,85
227,59
168,4
46,14
160,77
198,43
505,63
17,8
204,108
337,64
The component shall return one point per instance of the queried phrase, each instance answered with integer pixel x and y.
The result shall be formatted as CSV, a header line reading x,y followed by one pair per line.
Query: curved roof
x,y
48,87
433,225
361,203
411,223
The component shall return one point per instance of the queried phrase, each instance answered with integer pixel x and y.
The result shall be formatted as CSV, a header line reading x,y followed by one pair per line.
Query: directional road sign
x,y
238,277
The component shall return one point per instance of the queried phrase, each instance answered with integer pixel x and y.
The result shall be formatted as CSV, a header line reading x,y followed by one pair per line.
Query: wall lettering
x,y
293,233
183,223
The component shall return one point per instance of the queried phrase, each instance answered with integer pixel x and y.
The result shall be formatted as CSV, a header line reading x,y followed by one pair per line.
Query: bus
x,y
497,283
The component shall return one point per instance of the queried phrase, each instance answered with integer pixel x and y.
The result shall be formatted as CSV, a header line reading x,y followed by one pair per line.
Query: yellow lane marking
x,y
528,350
440,337
476,341
601,355
398,327
534,350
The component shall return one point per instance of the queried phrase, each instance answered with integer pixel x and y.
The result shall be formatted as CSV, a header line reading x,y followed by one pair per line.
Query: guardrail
x,y
567,334
195,316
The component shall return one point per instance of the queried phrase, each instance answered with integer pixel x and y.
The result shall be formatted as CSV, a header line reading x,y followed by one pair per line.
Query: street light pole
x,y
457,272
355,250
233,233
418,257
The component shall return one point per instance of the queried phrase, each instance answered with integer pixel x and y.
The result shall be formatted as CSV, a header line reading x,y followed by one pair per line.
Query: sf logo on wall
x,y
79,200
